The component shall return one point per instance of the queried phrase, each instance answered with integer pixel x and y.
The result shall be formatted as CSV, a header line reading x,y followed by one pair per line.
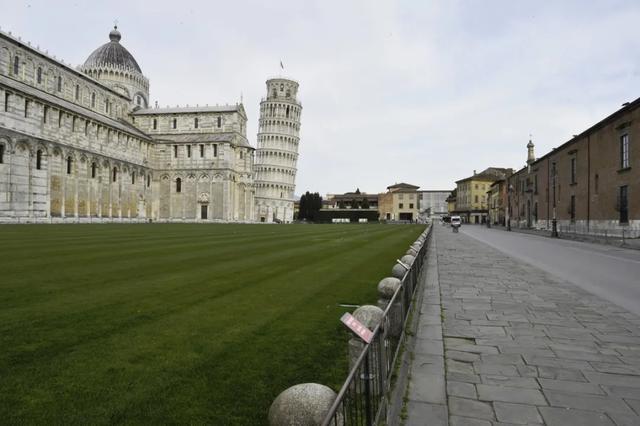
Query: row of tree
x,y
310,205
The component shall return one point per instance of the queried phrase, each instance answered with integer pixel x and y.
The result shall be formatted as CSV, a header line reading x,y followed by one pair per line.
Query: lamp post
x,y
554,220
509,189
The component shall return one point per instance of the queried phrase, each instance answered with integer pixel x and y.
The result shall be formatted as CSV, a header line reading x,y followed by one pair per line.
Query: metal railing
x,y
362,398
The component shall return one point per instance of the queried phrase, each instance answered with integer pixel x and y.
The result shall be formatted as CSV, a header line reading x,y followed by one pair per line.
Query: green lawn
x,y
156,324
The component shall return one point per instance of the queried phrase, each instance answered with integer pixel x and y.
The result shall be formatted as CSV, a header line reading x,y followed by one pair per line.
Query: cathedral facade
x,y
83,145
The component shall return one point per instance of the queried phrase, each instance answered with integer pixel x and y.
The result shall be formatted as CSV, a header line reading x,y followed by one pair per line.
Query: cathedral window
x,y
241,155
115,174
178,185
16,65
93,170
288,93
7,98
201,151
175,151
148,180
1,153
133,178
93,100
69,165
73,123
26,108
174,123
189,151
86,127
39,75
60,115
38,159
45,112
219,122
195,122
287,112
59,83
215,150
77,94
155,123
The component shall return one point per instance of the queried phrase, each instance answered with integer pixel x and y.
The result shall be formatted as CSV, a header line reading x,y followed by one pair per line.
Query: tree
x,y
310,204
302,208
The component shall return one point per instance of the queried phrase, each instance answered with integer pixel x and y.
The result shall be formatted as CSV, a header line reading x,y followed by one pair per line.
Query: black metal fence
x,y
362,398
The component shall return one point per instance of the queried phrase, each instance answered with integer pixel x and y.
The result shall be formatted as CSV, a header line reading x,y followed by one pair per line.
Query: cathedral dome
x,y
112,54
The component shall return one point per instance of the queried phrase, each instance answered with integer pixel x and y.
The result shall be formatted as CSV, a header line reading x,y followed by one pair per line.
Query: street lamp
x,y
509,189
554,220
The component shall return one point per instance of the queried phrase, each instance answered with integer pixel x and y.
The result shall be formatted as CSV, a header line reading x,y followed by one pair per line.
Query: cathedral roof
x,y
188,110
112,54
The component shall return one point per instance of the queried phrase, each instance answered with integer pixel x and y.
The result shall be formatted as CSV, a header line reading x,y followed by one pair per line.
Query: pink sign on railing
x,y
356,326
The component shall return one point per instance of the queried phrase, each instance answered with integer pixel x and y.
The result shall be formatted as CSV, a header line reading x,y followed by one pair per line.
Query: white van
x,y
456,221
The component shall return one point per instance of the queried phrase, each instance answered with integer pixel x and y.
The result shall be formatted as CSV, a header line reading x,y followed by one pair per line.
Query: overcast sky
x,y
422,92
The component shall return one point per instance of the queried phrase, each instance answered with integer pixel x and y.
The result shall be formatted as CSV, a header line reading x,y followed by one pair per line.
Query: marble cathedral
x,y
84,145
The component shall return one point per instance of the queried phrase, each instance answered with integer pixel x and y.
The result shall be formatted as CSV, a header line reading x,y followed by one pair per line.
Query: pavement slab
x,y
521,346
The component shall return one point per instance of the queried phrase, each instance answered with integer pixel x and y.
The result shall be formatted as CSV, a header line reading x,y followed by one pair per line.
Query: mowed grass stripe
x,y
190,339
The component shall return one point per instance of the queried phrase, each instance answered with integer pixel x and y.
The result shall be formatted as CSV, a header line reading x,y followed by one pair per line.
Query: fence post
x,y
367,390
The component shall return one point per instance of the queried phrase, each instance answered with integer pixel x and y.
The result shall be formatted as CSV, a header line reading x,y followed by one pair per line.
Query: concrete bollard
x,y
386,289
407,259
306,404
370,316
412,252
398,271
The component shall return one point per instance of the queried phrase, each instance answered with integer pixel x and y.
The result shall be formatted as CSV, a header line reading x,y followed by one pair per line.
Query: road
x,y
609,272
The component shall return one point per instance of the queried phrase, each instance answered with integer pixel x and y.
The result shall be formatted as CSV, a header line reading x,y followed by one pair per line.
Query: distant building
x,y
349,207
451,202
497,195
432,203
352,200
400,202
471,197
591,183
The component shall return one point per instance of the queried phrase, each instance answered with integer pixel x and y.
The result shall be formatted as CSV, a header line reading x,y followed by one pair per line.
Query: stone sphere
x,y
306,404
387,287
407,259
369,315
398,271
412,252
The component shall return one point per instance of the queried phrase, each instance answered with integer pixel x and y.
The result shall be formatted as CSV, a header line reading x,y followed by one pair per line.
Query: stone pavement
x,y
520,346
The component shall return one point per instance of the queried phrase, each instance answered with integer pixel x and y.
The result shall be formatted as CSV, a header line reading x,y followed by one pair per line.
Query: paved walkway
x,y
520,346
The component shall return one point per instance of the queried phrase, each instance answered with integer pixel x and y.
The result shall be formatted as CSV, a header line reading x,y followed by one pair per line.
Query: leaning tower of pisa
x,y
277,153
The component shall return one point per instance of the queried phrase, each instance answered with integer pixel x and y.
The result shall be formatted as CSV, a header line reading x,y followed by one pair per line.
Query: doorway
x,y
204,210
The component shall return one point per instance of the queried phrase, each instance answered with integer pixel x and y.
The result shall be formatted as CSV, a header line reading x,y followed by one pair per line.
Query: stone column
x,y
386,289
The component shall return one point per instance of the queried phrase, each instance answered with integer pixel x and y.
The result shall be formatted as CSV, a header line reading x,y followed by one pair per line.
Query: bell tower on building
x,y
277,154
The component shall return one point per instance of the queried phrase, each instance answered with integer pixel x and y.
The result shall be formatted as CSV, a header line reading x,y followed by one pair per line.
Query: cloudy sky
x,y
393,91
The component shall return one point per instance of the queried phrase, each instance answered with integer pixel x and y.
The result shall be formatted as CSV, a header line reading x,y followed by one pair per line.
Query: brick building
x,y
594,179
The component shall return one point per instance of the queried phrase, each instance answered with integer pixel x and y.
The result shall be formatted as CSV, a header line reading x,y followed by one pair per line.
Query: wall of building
x,y
78,155
595,184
